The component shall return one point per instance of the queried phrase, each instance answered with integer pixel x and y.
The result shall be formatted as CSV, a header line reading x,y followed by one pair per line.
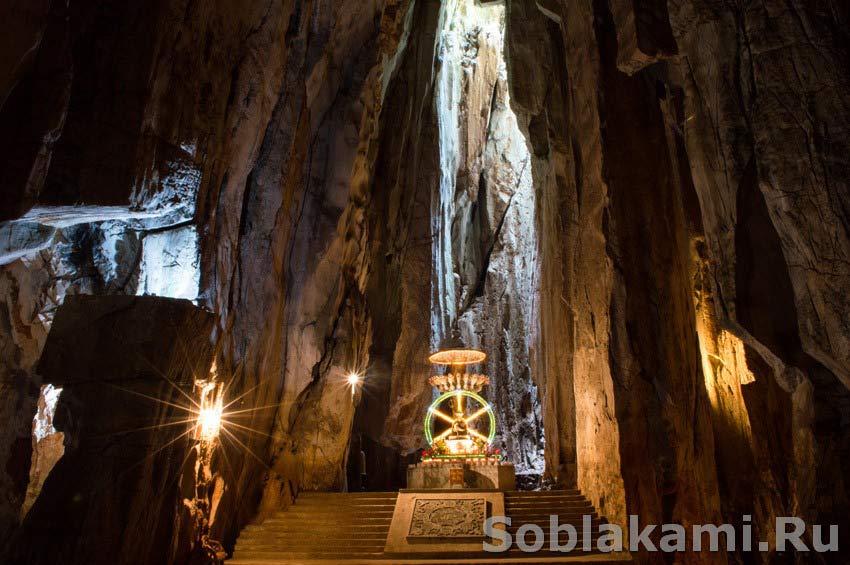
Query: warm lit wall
x,y
690,224
703,385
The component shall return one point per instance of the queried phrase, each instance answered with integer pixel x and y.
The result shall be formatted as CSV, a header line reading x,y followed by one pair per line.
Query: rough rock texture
x,y
765,130
47,445
121,472
701,389
53,253
274,121
484,215
662,288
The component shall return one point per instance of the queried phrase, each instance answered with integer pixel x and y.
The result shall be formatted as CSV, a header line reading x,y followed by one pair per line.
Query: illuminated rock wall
x,y
666,294
697,145
484,215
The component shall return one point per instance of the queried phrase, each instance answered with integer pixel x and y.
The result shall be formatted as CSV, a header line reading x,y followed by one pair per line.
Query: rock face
x,y
484,215
637,208
53,253
700,389
48,445
123,366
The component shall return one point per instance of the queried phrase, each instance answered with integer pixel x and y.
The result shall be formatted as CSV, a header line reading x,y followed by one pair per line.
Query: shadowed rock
x,y
120,473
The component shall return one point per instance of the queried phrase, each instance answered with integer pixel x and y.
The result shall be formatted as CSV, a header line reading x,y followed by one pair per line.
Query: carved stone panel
x,y
459,518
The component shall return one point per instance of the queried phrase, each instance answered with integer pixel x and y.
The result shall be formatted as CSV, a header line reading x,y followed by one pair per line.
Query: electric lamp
x,y
209,423
354,380
210,412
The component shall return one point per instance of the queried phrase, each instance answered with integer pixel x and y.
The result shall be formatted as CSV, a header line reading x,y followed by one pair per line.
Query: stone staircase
x,y
535,507
351,528
319,527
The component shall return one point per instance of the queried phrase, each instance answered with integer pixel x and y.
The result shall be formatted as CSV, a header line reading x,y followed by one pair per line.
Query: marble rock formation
x,y
125,364
639,208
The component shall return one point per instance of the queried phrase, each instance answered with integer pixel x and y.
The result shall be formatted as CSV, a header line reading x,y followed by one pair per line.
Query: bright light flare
x,y
461,446
208,426
355,381
206,418
209,423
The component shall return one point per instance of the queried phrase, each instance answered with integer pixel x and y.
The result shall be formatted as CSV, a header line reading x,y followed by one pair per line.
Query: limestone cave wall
x,y
699,136
638,208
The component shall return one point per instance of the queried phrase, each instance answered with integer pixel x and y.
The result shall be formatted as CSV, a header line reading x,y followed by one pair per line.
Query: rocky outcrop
x,y
54,253
636,207
484,215
765,105
48,445
646,258
123,366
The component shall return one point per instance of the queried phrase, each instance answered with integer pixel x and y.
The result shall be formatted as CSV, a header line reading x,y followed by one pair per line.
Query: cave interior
x,y
273,212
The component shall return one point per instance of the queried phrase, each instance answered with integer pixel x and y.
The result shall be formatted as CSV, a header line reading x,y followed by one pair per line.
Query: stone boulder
x,y
125,365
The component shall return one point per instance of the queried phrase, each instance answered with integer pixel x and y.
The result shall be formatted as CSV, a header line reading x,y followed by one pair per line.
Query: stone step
x,y
330,545
369,533
298,541
545,551
347,495
327,533
594,531
343,551
348,529
542,493
287,556
307,519
287,537
338,516
544,518
318,524
339,510
543,499
331,503
546,496
323,528
547,502
513,530
593,559
329,500
340,507
315,503
334,507
554,509
511,556
561,538
326,527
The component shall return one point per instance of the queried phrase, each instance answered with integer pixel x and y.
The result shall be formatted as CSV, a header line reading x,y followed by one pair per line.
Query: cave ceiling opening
x,y
483,218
